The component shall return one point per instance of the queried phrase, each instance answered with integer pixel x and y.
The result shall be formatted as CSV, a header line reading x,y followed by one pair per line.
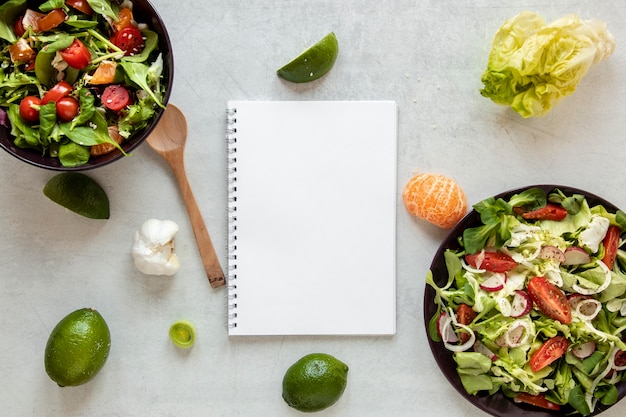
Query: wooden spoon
x,y
168,140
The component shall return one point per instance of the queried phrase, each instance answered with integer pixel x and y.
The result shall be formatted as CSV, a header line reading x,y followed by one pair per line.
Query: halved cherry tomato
x,y
611,243
549,352
27,112
76,55
60,90
18,27
548,212
80,5
551,300
124,19
51,20
538,400
465,315
67,108
129,39
115,97
491,261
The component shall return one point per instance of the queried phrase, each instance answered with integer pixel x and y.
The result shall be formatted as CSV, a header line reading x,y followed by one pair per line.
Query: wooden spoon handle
x,y
205,245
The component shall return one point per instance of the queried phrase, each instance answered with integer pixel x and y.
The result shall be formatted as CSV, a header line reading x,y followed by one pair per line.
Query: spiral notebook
x,y
312,217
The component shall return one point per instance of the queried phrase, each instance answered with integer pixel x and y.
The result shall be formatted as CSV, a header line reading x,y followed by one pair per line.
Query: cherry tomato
x,y
18,27
465,315
27,112
548,212
51,20
76,55
60,90
547,353
538,400
115,97
492,261
129,39
611,243
67,108
551,300
80,5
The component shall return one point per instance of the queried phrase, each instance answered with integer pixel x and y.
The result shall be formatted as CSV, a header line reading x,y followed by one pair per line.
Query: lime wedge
x,y
78,193
313,63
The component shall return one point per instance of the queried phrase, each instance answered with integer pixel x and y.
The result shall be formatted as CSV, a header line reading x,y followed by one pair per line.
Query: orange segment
x,y
436,199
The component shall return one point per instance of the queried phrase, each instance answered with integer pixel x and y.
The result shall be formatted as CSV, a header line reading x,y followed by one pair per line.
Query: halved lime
x,y
183,334
313,63
79,193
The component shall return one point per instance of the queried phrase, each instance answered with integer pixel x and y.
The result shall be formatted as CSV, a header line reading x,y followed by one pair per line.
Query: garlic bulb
x,y
153,248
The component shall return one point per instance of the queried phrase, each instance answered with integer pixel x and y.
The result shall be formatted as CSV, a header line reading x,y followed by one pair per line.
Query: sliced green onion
x,y
183,334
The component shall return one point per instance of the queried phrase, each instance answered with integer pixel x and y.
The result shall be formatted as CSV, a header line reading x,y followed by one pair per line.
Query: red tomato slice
x,y
549,352
611,243
60,90
27,112
67,108
538,400
76,55
465,315
491,261
80,5
551,300
549,212
51,20
129,39
115,97
18,27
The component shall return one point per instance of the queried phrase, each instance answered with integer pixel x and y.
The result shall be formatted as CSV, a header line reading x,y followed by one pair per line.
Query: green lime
x,y
314,382
313,63
77,348
183,334
78,193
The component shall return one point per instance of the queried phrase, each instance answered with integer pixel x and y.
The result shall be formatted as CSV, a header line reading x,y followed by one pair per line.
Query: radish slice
x,y
552,252
584,350
522,304
446,332
495,282
481,348
588,308
516,335
576,256
612,361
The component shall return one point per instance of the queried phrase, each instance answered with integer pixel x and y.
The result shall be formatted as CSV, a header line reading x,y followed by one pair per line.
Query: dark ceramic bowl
x,y
143,12
498,404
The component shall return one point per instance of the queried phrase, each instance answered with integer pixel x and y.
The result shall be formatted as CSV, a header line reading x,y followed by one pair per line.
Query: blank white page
x,y
314,188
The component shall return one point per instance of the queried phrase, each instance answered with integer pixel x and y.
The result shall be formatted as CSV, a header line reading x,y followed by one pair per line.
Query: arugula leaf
x,y
139,74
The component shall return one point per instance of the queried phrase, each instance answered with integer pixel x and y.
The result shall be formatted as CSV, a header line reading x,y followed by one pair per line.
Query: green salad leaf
x,y
533,64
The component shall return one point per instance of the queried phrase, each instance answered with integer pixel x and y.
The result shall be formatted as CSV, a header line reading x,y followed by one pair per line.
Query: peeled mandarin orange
x,y
436,199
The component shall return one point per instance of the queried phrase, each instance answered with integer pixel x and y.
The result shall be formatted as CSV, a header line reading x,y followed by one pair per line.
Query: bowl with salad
x,y
525,303
82,82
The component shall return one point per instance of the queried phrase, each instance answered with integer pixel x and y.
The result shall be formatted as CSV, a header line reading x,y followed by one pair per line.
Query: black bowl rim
x,y
497,404
144,12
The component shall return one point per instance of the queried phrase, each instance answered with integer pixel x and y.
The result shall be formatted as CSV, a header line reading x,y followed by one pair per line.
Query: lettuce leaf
x,y
533,65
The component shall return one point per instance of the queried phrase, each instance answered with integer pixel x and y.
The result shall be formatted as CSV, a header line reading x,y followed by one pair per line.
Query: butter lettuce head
x,y
533,65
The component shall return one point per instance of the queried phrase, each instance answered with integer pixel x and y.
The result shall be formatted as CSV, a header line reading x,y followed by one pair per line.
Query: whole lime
x,y
314,382
77,348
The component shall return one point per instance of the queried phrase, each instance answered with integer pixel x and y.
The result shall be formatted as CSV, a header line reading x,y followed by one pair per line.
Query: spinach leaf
x,y
25,136
72,154
78,23
9,11
51,5
104,8
58,42
87,109
47,120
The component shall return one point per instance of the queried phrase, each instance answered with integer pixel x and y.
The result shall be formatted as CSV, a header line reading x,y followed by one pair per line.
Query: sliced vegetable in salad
x,y
534,302
77,77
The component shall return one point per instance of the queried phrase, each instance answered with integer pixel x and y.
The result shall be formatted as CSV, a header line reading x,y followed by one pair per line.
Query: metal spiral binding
x,y
231,273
